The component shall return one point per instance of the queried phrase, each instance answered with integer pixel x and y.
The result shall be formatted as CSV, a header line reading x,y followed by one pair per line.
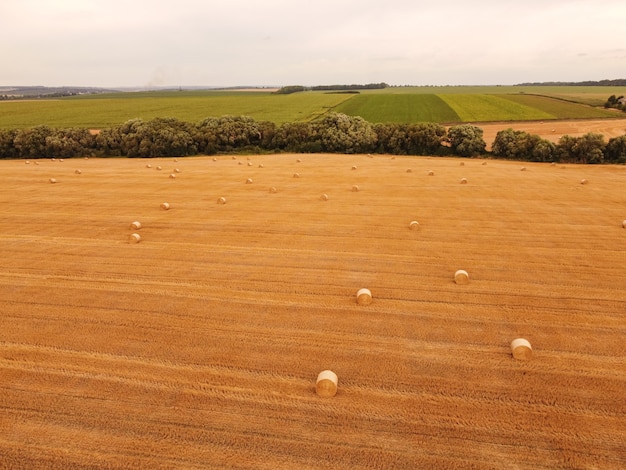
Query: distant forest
x,y
616,82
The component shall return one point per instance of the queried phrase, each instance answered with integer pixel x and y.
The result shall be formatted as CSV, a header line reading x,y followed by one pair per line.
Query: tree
x,y
31,143
7,148
466,140
228,133
346,134
71,142
588,148
520,145
615,151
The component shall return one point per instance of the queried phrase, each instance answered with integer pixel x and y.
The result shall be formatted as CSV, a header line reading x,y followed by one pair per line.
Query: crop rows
x,y
199,346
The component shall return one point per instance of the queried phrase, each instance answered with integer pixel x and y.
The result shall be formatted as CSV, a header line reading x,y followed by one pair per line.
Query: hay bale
x,y
36,163
364,297
221,200
296,175
355,188
27,162
249,163
326,384
273,190
148,166
78,172
431,173
324,197
521,349
484,163
354,167
624,223
299,160
134,238
214,159
461,277
414,225
463,180
583,181
234,158
261,165
176,170
172,175
408,170
523,168
61,160
159,168
53,180
249,181
239,163
136,225
462,164
165,206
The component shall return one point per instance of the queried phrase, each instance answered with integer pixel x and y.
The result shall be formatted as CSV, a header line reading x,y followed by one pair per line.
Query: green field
x,y
393,104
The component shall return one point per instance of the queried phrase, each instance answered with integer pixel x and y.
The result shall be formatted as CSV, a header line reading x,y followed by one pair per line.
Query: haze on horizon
x,y
116,43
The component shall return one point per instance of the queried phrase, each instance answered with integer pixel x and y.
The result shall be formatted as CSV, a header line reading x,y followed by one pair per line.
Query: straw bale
x,y
414,225
136,225
53,180
326,384
461,277
176,170
296,175
261,165
273,190
356,188
27,162
165,206
159,168
583,181
523,168
134,238
78,172
249,181
364,297
431,173
172,175
624,223
221,200
324,197
463,180
521,349
354,167
462,164
148,166
408,170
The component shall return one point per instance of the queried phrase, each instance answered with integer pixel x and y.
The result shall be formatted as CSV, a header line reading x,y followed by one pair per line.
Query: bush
x,y
466,140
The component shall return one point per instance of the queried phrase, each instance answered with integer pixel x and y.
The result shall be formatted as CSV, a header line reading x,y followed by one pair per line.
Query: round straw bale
x,y
324,197
176,170
431,173
414,225
354,167
136,225
299,160
234,158
27,162
356,188
159,168
484,163
463,180
53,159
36,163
239,163
165,206
248,158
61,160
249,163
461,277
408,170
134,238
296,175
523,168
221,200
583,181
148,166
249,181
53,180
624,223
462,164
78,172
173,175
261,165
553,164
86,158
273,190
214,159
521,349
364,297
326,384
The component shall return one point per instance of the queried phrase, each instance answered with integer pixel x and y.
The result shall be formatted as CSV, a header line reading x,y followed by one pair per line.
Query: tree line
x,y
335,133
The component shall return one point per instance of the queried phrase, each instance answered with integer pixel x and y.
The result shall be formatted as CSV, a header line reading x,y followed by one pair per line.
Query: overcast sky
x,y
113,43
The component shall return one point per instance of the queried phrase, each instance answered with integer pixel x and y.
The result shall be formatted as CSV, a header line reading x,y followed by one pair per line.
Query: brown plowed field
x,y
554,130
199,346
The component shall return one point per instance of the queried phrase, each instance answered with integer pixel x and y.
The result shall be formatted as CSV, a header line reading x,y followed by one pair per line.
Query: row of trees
x,y
335,133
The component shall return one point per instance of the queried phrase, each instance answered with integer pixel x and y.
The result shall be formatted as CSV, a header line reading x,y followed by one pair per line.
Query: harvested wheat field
x,y
200,345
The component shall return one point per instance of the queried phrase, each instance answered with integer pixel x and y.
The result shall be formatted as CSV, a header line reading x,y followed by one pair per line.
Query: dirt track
x,y
199,346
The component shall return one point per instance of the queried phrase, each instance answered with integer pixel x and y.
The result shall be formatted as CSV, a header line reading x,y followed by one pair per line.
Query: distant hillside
x,y
616,82
30,92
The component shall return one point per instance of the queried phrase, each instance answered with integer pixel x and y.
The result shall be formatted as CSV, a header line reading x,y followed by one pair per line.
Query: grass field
x,y
199,346
394,104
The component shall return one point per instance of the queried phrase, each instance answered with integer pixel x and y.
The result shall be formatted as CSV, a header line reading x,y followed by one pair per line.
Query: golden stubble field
x,y
199,346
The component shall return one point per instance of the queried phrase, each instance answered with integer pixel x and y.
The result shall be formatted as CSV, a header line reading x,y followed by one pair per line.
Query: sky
x,y
116,43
